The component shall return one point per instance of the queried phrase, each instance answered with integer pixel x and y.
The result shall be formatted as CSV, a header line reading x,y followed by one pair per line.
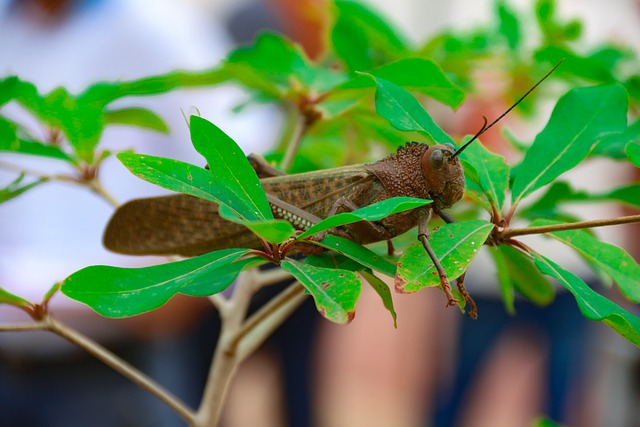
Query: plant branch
x,y
509,233
218,301
269,277
266,320
240,336
119,365
35,173
294,144
225,360
19,327
96,186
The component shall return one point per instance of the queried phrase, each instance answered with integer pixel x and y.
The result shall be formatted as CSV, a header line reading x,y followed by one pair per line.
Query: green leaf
x,y
335,291
224,277
490,172
526,278
473,190
423,76
561,192
105,92
614,145
36,149
230,169
588,68
334,260
557,193
579,119
508,25
543,422
633,153
374,212
175,175
81,120
121,292
633,86
593,305
273,230
23,92
615,261
419,75
275,65
15,188
545,11
629,195
82,117
9,88
383,291
7,297
10,142
140,117
504,280
403,111
362,39
454,244
358,253
269,63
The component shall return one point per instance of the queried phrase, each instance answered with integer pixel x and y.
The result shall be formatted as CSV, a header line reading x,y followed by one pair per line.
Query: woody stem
x,y
292,148
509,233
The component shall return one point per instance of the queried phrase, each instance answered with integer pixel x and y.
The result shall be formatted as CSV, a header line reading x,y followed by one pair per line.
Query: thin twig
x,y
268,309
96,186
218,301
264,322
225,360
240,336
508,233
121,366
269,277
35,173
294,144
18,327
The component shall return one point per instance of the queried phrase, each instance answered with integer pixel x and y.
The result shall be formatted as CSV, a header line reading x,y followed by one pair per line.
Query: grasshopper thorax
x,y
443,175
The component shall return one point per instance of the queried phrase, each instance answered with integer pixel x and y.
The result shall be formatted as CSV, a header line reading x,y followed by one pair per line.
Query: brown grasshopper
x,y
189,226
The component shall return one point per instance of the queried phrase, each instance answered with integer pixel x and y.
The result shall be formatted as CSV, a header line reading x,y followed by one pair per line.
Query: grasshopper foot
x,y
446,288
473,309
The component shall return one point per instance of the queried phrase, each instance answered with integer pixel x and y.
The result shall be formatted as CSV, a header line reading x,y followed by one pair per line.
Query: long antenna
x,y
485,128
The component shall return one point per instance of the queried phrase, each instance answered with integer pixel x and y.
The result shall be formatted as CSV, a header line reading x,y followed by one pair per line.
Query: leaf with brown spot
x,y
416,269
334,291
383,291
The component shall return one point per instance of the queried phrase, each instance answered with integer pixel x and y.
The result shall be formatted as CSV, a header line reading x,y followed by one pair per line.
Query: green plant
x,y
360,98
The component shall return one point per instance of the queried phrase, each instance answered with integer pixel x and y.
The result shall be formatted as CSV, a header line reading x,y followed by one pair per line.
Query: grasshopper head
x,y
443,174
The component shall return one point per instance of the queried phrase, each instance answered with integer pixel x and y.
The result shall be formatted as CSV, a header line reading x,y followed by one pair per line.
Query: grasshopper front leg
x,y
473,312
423,236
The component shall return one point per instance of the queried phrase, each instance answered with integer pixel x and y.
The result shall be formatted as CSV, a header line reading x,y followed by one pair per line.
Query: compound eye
x,y
450,145
436,159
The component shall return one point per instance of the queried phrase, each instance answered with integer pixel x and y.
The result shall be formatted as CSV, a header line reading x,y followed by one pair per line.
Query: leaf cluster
x,y
368,93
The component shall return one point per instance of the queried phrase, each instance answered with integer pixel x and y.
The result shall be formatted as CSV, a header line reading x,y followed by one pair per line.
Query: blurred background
x,y
437,369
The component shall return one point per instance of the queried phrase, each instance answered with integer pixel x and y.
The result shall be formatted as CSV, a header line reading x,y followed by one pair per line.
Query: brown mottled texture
x,y
185,225
189,226
400,173
173,225
409,173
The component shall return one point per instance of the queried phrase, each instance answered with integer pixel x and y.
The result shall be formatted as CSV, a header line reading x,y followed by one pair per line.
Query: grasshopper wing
x,y
173,225
189,226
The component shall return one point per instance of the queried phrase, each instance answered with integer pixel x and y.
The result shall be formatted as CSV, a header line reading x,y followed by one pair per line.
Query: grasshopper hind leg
x,y
473,309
